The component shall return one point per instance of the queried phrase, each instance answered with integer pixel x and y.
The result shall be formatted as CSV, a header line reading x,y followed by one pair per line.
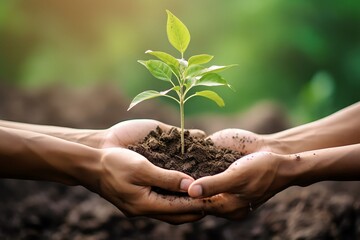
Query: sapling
x,y
182,74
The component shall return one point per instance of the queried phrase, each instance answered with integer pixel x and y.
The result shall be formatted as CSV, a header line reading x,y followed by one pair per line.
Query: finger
x,y
197,133
166,179
141,127
129,132
212,185
156,204
193,132
228,206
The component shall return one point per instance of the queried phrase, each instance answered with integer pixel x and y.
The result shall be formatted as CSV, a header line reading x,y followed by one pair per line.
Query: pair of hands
x,y
326,149
127,177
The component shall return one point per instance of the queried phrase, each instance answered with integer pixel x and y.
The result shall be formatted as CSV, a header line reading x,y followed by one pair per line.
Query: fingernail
x,y
184,184
196,191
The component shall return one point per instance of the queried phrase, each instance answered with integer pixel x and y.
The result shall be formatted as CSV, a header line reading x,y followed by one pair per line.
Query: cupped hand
x,y
240,140
245,185
126,178
132,131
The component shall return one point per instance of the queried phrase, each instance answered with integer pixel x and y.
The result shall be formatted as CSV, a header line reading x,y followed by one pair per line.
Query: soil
x,y
201,157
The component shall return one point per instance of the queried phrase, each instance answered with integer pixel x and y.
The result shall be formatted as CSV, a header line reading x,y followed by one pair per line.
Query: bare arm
x,y
339,129
338,163
89,137
29,155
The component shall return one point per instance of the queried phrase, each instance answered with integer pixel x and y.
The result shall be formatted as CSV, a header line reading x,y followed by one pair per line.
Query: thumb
x,y
193,132
168,179
211,185
197,133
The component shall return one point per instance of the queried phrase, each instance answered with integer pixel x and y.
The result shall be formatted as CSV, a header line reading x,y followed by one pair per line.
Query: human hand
x,y
242,141
245,185
125,179
132,131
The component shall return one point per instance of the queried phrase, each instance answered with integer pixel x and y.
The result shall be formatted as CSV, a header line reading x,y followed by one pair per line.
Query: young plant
x,y
182,74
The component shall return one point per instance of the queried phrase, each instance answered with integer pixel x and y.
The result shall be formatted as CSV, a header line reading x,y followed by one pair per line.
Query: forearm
x,y
338,164
87,137
339,129
29,155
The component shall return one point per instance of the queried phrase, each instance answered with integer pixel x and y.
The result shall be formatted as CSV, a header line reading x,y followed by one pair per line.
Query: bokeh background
x,y
74,63
304,54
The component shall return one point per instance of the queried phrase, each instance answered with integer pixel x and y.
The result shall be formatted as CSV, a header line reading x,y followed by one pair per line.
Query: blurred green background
x,y
302,54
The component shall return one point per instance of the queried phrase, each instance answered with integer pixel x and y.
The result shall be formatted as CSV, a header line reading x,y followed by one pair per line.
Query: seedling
x,y
182,74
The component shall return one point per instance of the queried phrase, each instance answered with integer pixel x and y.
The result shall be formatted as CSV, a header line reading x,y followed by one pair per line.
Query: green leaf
x,y
212,96
158,69
147,95
194,70
168,59
215,69
177,33
200,59
142,62
189,82
165,57
212,79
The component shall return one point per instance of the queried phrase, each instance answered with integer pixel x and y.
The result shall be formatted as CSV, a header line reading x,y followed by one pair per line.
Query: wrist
x,y
288,171
294,140
71,163
91,138
328,164
306,167
277,143
86,168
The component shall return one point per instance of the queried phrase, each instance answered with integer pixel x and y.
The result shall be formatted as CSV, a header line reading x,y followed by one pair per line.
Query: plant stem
x,y
182,122
182,103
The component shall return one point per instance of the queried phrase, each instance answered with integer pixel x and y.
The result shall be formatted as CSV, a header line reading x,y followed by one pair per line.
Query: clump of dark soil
x,y
201,157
